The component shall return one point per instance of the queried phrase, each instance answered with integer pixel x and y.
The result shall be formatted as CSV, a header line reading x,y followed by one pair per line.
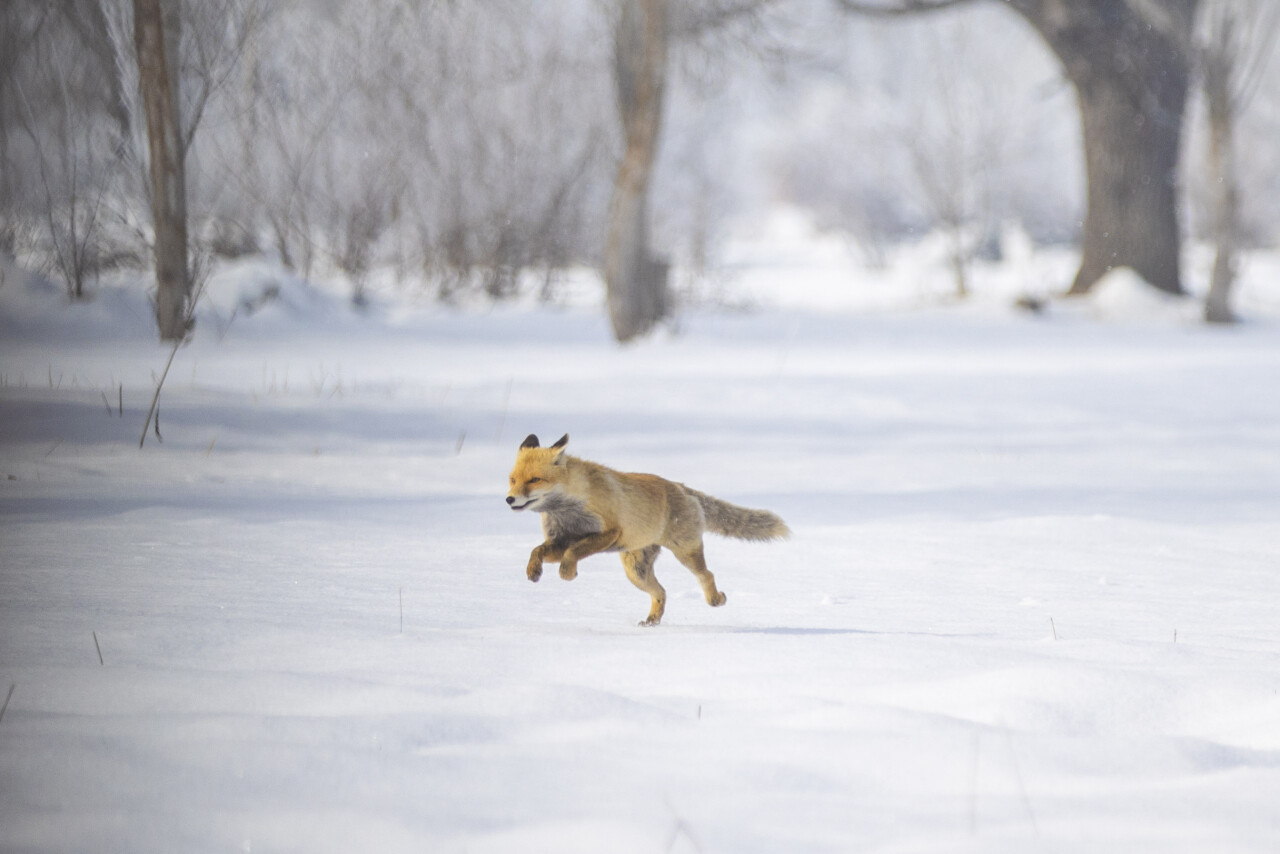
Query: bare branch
x,y
691,22
215,57
898,8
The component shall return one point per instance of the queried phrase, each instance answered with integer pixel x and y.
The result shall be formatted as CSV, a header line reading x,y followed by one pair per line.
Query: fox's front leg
x,y
543,553
585,547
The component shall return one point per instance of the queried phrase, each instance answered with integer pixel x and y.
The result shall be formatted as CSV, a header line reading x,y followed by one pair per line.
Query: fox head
x,y
536,473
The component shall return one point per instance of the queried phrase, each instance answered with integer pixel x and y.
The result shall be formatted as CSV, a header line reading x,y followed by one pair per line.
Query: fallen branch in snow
x,y
200,273
152,413
7,698
98,648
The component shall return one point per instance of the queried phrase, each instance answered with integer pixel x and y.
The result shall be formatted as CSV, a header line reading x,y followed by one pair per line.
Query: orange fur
x,y
588,508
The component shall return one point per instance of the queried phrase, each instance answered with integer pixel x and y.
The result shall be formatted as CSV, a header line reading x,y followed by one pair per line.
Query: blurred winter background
x,y
449,151
981,296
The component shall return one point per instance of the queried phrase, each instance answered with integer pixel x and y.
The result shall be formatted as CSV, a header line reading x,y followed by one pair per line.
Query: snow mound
x,y
262,285
33,307
1123,295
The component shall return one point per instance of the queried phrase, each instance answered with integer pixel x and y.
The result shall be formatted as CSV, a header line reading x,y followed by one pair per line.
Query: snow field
x,y
1030,602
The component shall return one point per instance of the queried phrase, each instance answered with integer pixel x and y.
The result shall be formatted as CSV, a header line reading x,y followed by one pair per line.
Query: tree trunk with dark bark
x,y
154,26
636,281
1130,70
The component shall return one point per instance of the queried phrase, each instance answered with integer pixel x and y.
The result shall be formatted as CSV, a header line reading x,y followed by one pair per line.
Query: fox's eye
x,y
535,480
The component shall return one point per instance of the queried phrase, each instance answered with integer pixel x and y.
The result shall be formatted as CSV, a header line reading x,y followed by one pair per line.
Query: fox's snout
x,y
512,499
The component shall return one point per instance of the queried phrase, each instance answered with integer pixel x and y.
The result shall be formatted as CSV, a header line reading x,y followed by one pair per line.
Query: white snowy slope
x,y
1031,603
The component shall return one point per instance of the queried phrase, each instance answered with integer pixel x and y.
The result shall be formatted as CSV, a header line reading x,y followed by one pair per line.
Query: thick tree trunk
x,y
636,282
168,179
1130,72
1131,159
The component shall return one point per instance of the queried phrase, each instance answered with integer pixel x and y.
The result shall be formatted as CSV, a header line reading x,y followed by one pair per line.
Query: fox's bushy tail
x,y
730,520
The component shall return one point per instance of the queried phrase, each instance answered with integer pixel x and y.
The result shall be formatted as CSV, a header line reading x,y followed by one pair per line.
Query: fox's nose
x,y
511,499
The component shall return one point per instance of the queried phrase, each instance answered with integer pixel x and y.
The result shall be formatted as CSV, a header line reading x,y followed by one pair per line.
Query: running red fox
x,y
587,508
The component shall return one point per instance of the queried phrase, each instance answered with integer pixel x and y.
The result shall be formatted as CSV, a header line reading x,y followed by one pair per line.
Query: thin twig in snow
x,y
7,698
200,275
98,648
155,398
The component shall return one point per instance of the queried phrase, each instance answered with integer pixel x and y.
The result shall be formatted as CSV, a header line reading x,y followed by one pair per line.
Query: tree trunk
x,y
1130,70
153,26
636,282
1219,78
1226,198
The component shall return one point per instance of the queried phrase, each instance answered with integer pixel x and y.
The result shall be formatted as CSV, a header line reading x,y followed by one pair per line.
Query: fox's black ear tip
x,y
530,441
562,441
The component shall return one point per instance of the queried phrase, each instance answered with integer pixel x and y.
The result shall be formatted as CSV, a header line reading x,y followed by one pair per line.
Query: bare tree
x,y
460,140
953,143
52,90
1232,47
1126,61
71,179
645,33
156,39
636,281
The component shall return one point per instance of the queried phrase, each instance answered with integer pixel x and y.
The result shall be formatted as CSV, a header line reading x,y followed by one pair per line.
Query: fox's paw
x,y
534,570
717,600
649,621
568,571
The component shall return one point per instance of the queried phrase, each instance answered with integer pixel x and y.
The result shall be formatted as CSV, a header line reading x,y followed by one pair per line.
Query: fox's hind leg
x,y
639,567
694,559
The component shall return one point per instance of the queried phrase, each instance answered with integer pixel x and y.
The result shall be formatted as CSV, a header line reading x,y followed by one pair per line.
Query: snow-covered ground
x,y
1031,603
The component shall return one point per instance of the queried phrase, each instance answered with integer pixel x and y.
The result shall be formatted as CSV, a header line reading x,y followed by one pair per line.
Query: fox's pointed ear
x,y
561,442
530,441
